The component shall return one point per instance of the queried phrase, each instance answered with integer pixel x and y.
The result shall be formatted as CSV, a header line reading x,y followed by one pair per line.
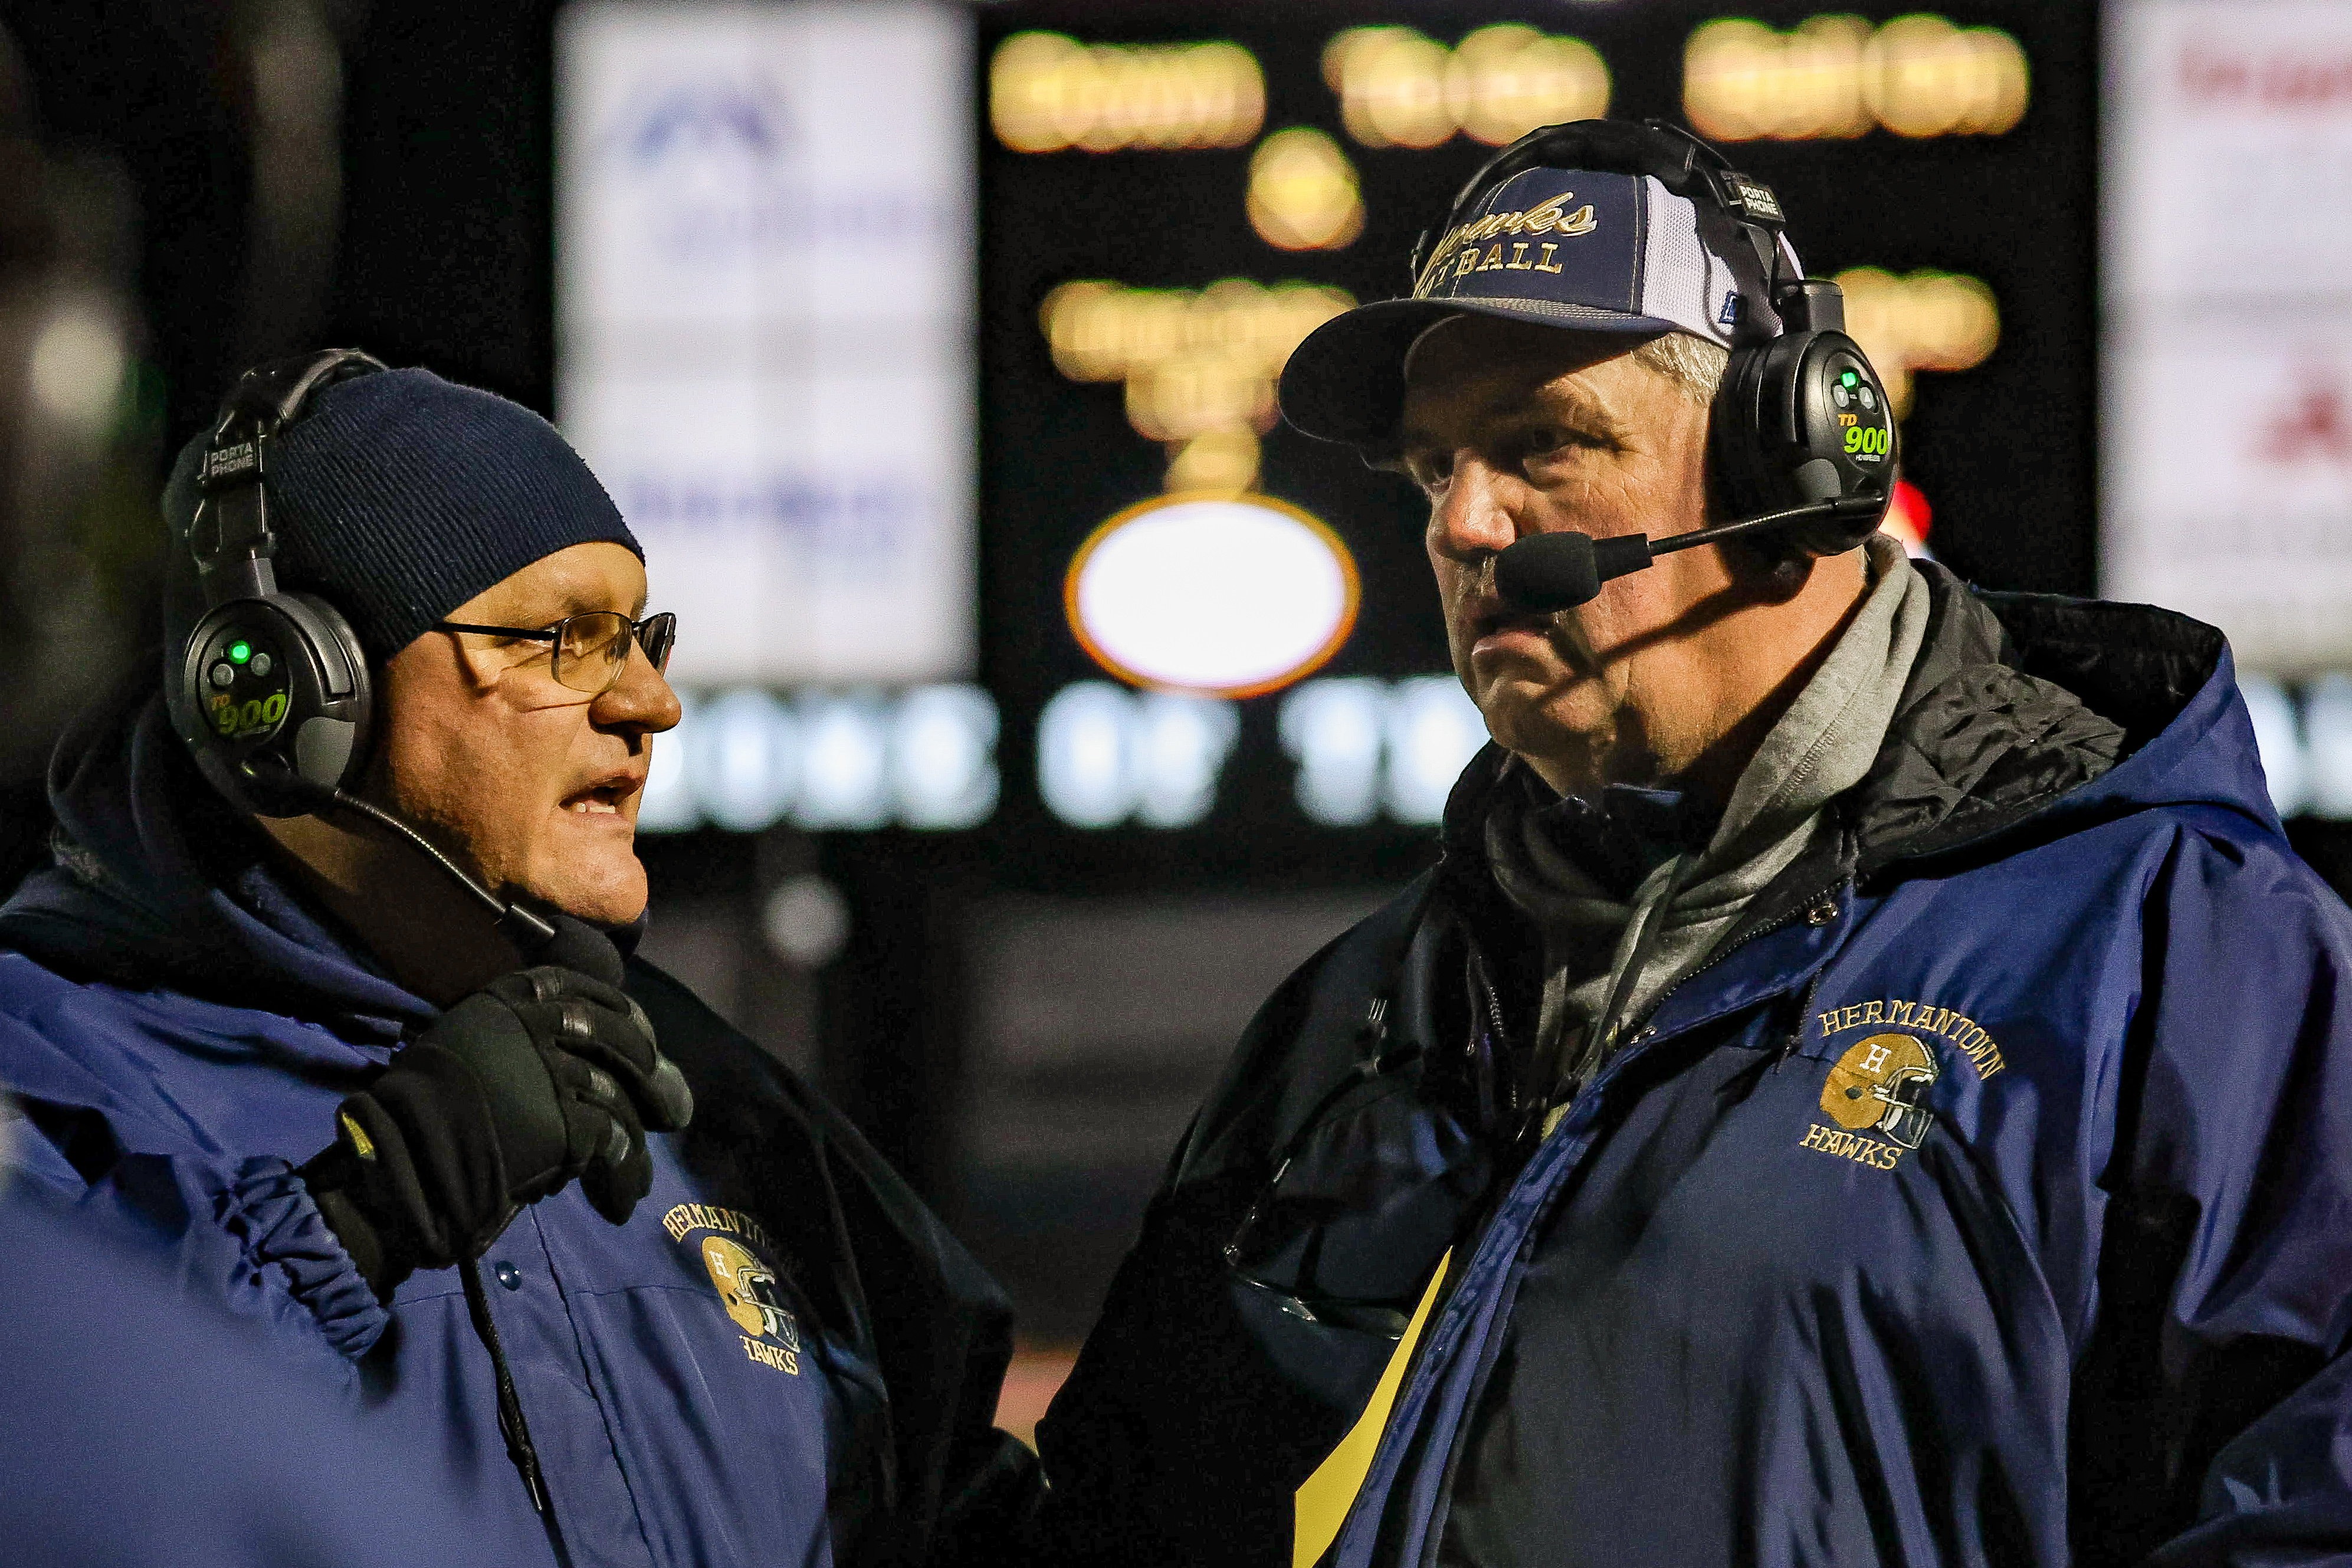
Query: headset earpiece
x,y
271,695
1802,417
273,703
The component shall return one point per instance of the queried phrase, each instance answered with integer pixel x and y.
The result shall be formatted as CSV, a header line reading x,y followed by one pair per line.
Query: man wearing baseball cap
x,y
538,1214
1866,1079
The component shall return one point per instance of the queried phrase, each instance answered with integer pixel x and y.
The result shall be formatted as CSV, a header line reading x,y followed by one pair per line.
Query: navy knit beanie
x,y
398,496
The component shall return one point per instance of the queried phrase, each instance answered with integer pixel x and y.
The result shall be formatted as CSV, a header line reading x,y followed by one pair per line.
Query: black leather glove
x,y
543,1076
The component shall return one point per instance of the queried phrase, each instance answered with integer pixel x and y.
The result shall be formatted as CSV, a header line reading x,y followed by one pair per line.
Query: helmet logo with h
x,y
1878,1084
747,1287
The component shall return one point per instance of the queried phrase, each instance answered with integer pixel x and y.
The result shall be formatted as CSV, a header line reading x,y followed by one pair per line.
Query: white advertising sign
x,y
2227,321
764,260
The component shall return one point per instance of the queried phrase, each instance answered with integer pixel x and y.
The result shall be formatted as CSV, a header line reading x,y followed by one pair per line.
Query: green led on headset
x,y
239,651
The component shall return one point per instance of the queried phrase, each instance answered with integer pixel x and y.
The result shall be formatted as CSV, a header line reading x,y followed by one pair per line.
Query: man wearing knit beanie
x,y
542,1213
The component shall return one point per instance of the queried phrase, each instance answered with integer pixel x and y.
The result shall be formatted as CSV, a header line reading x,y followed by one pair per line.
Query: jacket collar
x,y
157,882
2018,703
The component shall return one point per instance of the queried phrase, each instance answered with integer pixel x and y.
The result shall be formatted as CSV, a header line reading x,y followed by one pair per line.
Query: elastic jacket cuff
x,y
273,1213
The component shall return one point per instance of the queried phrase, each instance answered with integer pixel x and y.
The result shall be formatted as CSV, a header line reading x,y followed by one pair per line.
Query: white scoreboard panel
x,y
764,281
2227,262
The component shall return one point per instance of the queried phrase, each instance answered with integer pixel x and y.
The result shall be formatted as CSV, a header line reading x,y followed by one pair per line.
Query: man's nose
x,y
1480,510
641,699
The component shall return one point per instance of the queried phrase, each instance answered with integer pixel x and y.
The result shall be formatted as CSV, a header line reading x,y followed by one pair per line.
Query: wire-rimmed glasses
x,y
589,650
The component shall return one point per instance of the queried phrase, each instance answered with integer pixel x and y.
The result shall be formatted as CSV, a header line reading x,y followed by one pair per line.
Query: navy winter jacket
x,y
782,1358
1984,1198
139,1429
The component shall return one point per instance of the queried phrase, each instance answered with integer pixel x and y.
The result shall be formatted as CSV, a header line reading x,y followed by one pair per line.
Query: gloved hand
x,y
543,1076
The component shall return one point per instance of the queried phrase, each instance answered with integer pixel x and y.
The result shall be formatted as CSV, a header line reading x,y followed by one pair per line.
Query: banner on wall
x,y
2227,321
764,268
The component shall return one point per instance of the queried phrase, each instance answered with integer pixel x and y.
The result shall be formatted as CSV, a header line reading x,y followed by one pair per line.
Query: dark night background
x,y
443,257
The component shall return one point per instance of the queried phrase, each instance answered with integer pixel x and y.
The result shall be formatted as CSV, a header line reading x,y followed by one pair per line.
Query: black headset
x,y
271,695
1801,418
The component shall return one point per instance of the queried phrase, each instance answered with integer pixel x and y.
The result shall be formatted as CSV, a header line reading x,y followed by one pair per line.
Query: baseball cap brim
x,y
1346,381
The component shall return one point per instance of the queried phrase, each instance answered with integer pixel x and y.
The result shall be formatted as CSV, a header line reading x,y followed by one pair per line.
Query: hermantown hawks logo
x,y
747,1286
1876,1094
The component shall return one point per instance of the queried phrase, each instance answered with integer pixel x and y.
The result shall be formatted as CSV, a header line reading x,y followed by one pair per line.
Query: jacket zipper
x,y
1537,1124
1635,1031
1768,928
1802,906
1501,1066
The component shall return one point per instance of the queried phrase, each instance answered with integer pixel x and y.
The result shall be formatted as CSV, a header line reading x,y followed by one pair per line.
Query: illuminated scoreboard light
x,y
1365,749
746,760
1838,75
1303,191
1049,93
1198,366
1398,87
1107,756
1218,596
2303,733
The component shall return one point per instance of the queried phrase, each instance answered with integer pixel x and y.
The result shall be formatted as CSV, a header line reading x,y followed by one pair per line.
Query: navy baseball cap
x,y
1584,249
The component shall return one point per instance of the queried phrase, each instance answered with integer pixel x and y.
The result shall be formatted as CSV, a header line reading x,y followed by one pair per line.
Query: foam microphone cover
x,y
1547,572
578,946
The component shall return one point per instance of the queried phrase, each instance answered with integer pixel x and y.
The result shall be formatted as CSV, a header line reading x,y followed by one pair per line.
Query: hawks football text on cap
x,y
1577,248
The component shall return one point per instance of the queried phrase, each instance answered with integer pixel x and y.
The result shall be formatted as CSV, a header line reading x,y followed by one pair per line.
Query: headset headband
x,y
1685,165
230,535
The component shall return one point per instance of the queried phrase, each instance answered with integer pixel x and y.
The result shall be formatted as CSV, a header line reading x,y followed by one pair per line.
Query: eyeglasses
x,y
592,649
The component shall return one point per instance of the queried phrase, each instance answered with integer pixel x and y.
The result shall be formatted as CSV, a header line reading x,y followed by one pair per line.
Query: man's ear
x,y
1773,573
1765,567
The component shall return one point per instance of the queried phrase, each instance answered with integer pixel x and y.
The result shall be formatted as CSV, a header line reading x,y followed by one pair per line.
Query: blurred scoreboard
x,y
1166,199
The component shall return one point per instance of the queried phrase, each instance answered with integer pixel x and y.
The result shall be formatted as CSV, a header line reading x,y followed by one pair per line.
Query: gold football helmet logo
x,y
1878,1084
747,1287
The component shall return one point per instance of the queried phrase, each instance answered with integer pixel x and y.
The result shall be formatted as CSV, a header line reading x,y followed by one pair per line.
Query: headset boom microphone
x,y
1548,572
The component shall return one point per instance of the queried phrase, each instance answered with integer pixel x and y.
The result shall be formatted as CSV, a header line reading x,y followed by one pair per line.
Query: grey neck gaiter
x,y
1607,959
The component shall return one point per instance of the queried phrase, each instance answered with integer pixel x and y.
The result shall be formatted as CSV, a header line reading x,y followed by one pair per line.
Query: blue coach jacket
x,y
781,1359
139,1431
1985,1199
